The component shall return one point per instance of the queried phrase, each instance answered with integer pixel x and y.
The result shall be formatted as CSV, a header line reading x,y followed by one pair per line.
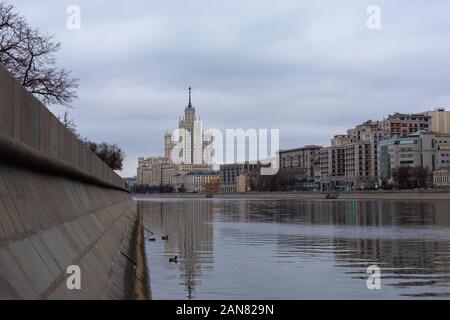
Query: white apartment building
x,y
422,149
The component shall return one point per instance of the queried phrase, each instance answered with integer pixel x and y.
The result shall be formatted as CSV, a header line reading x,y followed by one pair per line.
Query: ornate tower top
x,y
190,104
189,114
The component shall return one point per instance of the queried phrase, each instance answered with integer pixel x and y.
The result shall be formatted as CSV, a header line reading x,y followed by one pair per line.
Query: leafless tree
x,y
111,154
30,57
69,123
411,177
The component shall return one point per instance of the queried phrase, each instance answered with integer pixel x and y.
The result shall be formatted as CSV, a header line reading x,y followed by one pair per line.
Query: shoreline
x,y
344,195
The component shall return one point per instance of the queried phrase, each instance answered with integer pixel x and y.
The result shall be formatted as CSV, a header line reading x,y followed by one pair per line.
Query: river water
x,y
296,249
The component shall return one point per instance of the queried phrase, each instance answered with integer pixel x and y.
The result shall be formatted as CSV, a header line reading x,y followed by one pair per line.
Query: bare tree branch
x,y
30,57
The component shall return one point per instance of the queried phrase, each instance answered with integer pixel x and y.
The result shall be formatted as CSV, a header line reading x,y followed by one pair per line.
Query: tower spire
x,y
190,104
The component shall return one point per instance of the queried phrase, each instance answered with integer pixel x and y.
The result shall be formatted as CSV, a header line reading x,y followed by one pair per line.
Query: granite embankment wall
x,y
60,205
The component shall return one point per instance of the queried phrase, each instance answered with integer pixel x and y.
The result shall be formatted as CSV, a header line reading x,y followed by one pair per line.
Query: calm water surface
x,y
296,249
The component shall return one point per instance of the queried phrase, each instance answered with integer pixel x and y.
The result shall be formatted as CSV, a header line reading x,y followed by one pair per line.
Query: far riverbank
x,y
363,195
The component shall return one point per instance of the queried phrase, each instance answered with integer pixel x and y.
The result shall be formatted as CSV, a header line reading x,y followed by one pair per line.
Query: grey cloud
x,y
310,68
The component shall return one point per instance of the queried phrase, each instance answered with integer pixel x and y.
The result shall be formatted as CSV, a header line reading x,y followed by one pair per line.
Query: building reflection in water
x,y
408,240
188,225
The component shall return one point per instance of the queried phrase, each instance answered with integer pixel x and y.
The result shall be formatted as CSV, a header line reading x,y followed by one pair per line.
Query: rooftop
x,y
301,148
407,115
203,173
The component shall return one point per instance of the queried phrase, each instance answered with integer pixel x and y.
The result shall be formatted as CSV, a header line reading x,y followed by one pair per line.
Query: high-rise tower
x,y
192,142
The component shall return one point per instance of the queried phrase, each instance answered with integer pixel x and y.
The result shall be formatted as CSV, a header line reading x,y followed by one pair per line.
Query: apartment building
x,y
332,165
181,170
358,165
196,180
301,163
404,124
361,155
144,171
155,171
229,174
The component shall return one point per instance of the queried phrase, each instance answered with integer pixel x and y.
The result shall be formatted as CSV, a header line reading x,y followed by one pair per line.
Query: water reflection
x,y
289,249
189,232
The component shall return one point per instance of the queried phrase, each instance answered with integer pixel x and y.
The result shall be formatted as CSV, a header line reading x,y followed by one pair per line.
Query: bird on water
x,y
166,237
174,259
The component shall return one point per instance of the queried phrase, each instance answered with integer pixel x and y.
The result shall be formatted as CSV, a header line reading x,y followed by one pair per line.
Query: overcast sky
x,y
310,68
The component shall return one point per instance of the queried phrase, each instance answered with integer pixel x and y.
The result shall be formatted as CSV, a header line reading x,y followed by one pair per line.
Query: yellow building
x,y
440,120
242,183
195,180
155,171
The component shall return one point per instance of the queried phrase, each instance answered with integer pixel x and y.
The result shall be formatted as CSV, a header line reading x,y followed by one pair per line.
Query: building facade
x,y
440,120
301,163
155,171
213,186
358,164
361,155
441,179
143,175
180,172
422,149
404,124
351,162
243,183
332,168
196,180
229,174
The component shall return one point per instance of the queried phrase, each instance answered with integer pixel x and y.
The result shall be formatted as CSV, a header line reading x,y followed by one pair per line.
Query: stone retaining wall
x,y
27,121
61,206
